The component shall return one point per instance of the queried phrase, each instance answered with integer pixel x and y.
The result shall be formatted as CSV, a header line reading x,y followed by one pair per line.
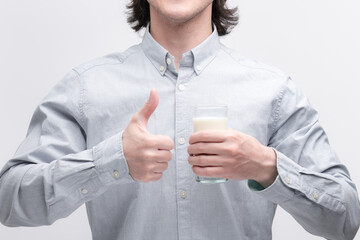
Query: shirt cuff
x,y
109,168
282,189
293,178
110,161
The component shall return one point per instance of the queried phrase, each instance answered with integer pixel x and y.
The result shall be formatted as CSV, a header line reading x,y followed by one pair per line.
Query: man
x,y
92,140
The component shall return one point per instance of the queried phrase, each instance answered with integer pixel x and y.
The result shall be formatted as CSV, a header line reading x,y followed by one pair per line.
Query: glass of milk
x,y
212,117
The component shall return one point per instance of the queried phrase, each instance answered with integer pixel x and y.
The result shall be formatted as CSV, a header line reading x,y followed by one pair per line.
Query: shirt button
x,y
116,174
183,194
316,196
181,87
168,61
162,68
181,140
287,180
84,191
198,67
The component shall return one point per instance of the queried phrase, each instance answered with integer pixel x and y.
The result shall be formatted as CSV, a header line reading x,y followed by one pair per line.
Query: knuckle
x,y
151,176
190,149
205,134
134,118
164,166
156,177
205,172
191,138
191,160
150,141
168,156
195,170
145,179
148,168
170,141
201,160
201,148
199,171
148,155
231,150
232,136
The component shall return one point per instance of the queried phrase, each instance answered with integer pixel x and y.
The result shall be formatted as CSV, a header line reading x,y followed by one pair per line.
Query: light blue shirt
x,y
73,152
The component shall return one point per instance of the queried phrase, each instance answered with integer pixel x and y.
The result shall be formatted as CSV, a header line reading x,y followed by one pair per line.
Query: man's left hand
x,y
233,155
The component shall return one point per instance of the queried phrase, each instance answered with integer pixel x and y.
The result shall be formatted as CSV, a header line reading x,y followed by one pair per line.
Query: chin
x,y
176,12
179,11
180,15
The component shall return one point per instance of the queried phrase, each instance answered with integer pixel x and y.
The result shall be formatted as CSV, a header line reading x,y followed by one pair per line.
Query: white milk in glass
x,y
206,123
210,118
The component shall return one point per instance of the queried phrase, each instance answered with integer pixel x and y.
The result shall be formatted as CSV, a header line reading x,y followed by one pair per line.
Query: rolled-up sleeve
x,y
312,184
53,172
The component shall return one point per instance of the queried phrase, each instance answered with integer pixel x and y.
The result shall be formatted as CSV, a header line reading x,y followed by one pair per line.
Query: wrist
x,y
267,171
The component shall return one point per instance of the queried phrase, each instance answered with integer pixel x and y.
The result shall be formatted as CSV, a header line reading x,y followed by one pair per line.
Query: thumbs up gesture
x,y
147,155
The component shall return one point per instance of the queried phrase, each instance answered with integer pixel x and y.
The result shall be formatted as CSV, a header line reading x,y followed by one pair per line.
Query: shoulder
x,y
254,67
108,60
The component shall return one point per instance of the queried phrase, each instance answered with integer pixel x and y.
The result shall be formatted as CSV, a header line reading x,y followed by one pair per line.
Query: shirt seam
x,y
211,60
81,98
276,113
94,66
124,55
121,57
223,48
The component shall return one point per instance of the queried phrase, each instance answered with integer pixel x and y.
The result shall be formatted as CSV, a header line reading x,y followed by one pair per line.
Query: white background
x,y
315,42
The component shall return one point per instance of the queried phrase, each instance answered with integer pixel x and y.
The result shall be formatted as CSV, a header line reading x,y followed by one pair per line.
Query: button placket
x,y
183,122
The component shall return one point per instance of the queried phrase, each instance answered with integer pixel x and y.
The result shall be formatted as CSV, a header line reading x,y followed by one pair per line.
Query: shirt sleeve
x,y
53,172
312,185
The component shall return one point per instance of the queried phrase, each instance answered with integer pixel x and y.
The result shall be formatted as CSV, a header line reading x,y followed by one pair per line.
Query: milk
x,y
213,123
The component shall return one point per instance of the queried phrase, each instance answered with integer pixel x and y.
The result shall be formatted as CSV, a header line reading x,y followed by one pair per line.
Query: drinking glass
x,y
212,117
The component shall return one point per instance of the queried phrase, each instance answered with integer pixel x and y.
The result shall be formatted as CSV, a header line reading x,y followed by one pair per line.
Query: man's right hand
x,y
147,155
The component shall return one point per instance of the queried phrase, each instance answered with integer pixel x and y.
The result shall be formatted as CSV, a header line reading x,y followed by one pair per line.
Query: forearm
x,y
340,223
325,204
39,194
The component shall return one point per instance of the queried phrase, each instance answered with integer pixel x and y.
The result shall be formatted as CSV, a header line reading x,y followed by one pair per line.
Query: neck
x,y
179,38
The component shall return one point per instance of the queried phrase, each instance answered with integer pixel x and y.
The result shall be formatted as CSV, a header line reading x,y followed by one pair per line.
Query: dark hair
x,y
224,18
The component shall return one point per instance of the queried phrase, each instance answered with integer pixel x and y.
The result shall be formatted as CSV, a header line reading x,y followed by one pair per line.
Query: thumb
x,y
149,107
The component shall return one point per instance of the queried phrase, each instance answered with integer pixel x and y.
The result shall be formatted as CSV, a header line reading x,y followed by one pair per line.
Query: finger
x,y
208,136
207,160
143,115
155,177
163,156
207,148
160,167
164,142
209,171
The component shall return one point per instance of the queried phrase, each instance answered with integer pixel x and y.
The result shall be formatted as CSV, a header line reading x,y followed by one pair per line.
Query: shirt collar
x,y
201,55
